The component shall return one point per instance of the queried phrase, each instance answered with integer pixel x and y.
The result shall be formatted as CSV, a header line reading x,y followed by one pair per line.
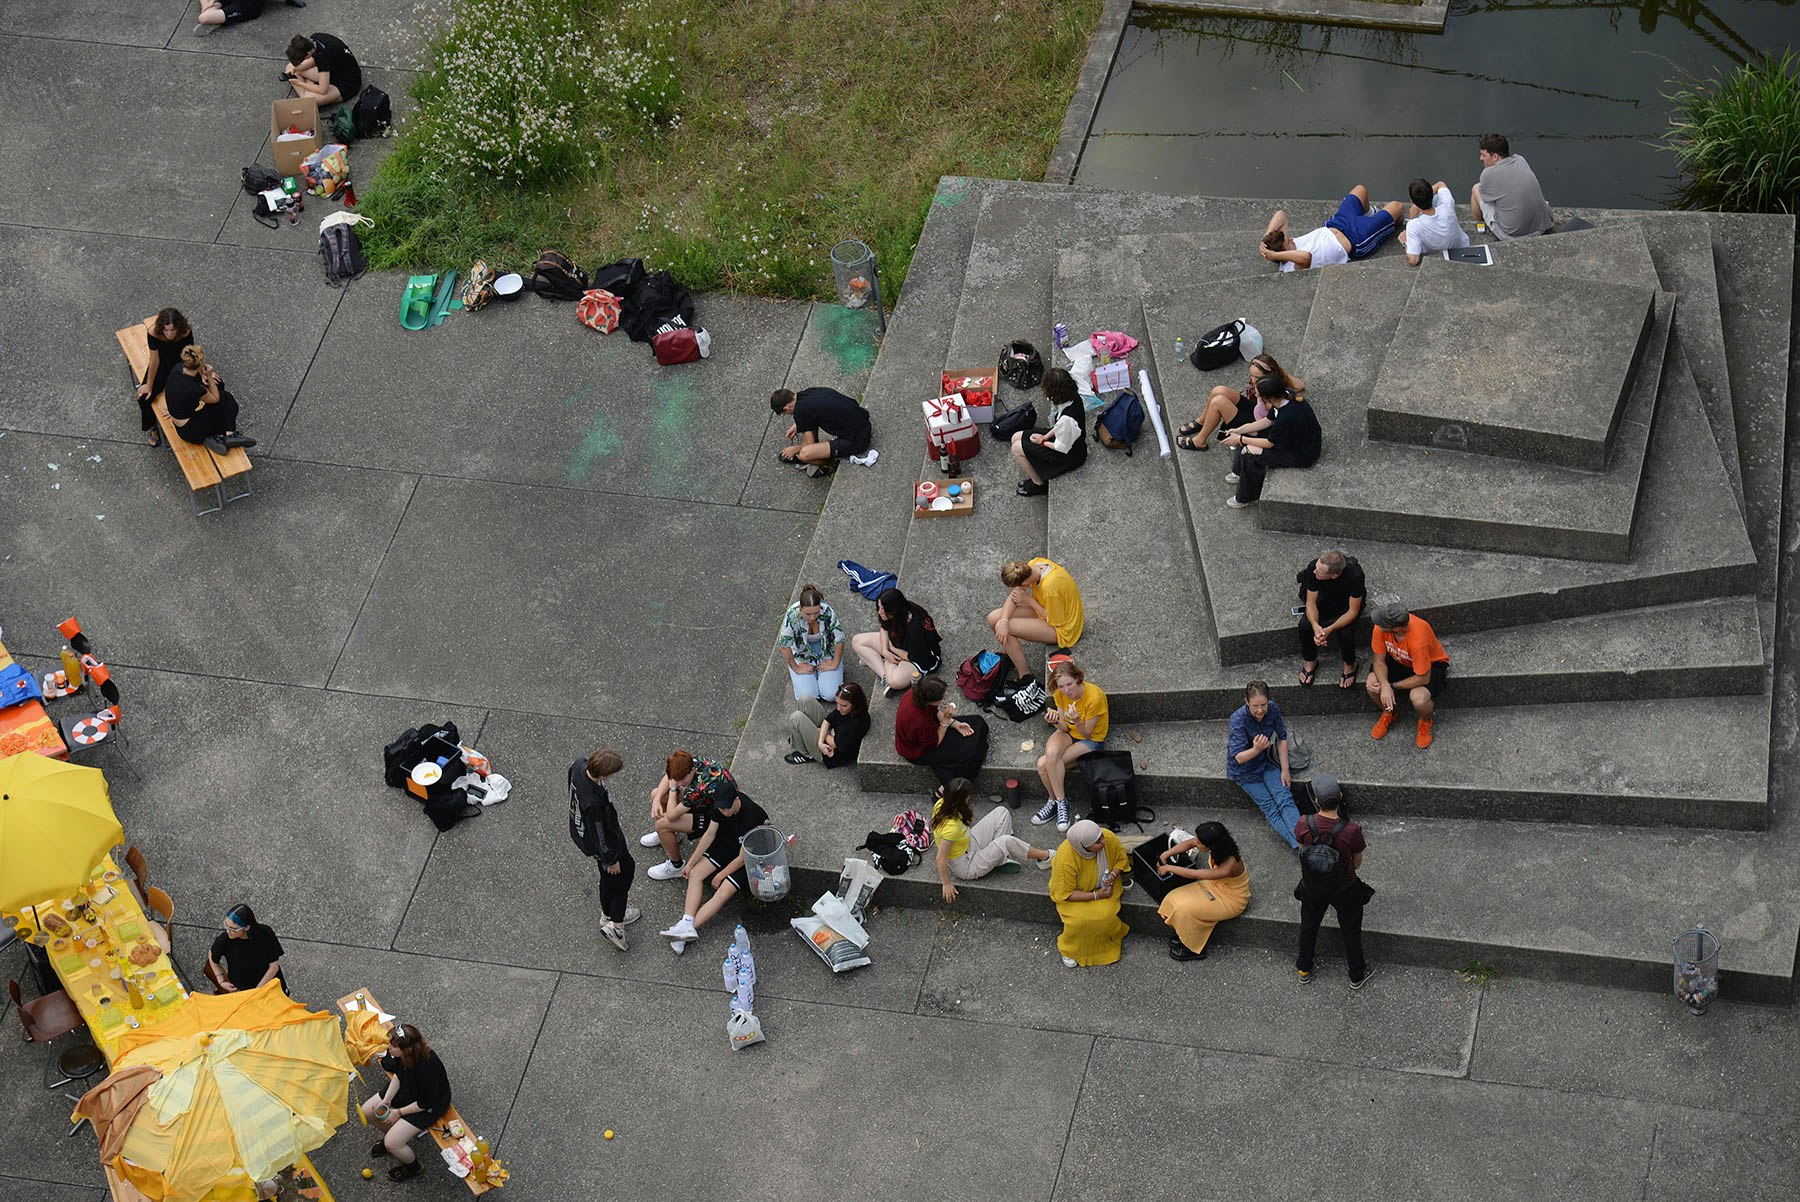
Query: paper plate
x,y
427,774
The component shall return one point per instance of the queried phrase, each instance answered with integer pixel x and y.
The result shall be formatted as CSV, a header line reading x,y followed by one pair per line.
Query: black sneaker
x,y
1031,488
1359,982
1180,951
794,757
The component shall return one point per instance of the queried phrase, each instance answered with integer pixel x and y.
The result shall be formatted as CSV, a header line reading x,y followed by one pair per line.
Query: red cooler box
x,y
949,427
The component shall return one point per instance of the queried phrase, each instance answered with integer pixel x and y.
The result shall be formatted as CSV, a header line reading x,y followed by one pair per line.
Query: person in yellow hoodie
x,y
1043,607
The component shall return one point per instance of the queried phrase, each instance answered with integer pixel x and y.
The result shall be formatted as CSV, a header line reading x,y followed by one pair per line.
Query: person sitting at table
x,y
246,954
169,335
201,409
416,1097
718,854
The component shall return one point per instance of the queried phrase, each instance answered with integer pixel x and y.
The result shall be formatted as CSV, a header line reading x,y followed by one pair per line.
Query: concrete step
x,y
1689,543
1439,496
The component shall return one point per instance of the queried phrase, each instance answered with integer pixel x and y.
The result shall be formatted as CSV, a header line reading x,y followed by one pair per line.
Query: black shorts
x,y
1050,462
1246,412
1440,674
738,876
844,447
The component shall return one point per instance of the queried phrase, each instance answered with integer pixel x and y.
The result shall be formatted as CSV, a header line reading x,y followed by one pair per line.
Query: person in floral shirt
x,y
683,804
812,642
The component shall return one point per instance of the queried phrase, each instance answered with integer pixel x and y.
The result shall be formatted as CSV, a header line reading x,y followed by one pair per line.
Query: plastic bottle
x,y
1180,350
71,666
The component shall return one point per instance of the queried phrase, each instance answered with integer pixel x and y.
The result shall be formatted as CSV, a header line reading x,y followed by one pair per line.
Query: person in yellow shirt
x,y
1087,893
968,850
1080,719
1043,607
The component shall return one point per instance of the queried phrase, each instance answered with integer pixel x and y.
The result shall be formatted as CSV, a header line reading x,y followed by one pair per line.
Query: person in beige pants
x,y
969,850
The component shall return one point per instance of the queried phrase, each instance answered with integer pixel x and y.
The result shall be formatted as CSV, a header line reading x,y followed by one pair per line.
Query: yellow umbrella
x,y
251,1081
55,825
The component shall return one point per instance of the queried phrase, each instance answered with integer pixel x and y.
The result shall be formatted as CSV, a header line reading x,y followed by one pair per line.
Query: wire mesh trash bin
x,y
766,864
858,281
1696,956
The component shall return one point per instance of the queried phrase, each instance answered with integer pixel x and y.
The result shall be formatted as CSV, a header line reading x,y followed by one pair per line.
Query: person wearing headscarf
x,y
1087,884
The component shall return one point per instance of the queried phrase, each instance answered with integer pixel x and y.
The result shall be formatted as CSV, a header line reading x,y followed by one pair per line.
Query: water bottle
x,y
1180,351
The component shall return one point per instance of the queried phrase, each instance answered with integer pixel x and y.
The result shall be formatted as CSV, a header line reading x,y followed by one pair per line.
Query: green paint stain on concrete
x,y
600,441
951,192
848,336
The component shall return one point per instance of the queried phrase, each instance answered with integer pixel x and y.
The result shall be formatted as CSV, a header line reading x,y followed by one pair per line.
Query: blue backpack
x,y
1120,423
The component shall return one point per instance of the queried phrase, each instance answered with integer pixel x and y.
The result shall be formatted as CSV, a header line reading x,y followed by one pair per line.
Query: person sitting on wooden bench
x,y
416,1097
201,409
169,335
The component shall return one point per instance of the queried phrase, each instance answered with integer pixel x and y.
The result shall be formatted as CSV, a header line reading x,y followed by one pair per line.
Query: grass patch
x,y
1737,138
1477,973
730,141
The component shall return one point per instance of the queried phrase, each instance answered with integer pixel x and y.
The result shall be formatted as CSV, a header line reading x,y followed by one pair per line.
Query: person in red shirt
x,y
1409,660
1347,894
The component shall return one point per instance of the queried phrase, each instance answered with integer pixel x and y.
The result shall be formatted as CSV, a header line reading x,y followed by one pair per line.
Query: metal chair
x,y
49,1018
80,734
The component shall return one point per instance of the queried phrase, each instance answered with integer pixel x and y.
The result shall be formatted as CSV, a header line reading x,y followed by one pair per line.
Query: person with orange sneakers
x,y
1410,660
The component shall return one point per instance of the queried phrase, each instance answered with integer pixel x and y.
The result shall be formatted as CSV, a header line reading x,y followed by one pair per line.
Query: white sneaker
x,y
649,840
1069,962
632,914
668,870
1045,863
865,460
683,930
1045,813
1230,478
678,946
1234,503
615,935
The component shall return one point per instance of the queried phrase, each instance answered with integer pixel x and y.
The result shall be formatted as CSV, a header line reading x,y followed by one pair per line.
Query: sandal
x,y
1192,442
1348,679
156,438
1192,428
1306,675
405,1172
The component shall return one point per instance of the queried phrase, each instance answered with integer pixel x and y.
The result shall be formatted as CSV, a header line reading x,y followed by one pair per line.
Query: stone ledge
x,y
1428,17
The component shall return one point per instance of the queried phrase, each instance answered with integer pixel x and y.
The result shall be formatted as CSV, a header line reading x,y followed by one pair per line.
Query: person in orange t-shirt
x,y
1408,660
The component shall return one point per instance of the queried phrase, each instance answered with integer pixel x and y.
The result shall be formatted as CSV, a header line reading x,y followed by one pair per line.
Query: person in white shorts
x,y
1431,221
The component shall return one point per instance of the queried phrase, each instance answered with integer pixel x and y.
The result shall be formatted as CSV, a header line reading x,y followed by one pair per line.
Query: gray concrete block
x,y
64,372
1488,361
24,1189
835,1073
36,1163
379,35
1721,1152
314,535
149,24
525,587
138,138
1615,254
523,392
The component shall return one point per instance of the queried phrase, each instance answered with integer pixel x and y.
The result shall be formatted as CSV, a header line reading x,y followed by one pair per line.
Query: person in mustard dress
x,y
1086,885
1213,894
1044,606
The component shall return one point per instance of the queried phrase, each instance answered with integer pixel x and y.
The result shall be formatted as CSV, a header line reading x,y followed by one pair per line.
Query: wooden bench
x,y
362,999
199,464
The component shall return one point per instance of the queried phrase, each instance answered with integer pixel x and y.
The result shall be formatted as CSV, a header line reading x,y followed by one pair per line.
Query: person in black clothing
x,y
1051,451
246,954
1351,894
214,13
323,68
200,407
906,647
417,1095
818,413
1290,439
594,826
718,854
169,335
1331,600
833,735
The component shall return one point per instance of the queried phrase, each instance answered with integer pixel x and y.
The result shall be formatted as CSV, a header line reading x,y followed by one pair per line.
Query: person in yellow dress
x,y
1086,884
1212,895
1044,606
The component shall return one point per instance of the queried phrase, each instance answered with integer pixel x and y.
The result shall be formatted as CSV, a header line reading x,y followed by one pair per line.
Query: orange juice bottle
x,y
71,666
134,993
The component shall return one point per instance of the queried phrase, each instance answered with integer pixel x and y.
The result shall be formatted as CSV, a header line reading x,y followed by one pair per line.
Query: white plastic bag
x,y
857,885
1250,341
744,1030
833,932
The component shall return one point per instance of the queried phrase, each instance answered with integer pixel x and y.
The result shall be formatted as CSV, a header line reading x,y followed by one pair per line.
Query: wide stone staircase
x,y
1572,463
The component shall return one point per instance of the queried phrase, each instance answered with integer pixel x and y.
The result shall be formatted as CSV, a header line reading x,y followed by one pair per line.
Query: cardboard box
x,y
977,391
948,426
303,114
961,505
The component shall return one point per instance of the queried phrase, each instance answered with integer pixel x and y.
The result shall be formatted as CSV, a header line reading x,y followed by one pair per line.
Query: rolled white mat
x,y
1155,410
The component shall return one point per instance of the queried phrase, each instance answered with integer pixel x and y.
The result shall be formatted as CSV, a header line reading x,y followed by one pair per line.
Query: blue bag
x,y
1120,423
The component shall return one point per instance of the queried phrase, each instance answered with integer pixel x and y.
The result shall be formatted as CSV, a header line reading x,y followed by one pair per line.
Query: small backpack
x,y
1120,423
1114,781
373,113
1219,347
342,125
620,278
598,309
890,852
555,277
259,179
914,831
981,676
1026,700
478,289
343,254
1017,420
1323,869
1021,365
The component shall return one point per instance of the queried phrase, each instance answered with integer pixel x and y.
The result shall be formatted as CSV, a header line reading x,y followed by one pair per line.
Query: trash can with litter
x,y
1696,956
766,864
858,283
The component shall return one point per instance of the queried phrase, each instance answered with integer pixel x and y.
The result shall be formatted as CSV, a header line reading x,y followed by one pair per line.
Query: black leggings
x,y
959,754
1251,469
615,887
220,417
1344,637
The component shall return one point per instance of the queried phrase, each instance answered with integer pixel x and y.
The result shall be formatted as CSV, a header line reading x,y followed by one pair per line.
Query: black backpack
x,y
890,851
657,301
342,252
1016,420
1219,348
1024,698
621,278
1114,781
400,757
555,277
1021,365
1323,869
373,113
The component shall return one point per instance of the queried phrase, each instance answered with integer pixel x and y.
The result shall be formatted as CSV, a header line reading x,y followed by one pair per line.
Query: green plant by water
x,y
1737,138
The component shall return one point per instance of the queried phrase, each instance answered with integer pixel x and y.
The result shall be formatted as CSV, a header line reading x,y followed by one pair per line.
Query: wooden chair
x,y
160,908
49,1018
140,871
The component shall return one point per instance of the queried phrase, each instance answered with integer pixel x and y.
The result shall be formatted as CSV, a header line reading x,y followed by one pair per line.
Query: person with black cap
x,y
1291,438
1409,661
1331,850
